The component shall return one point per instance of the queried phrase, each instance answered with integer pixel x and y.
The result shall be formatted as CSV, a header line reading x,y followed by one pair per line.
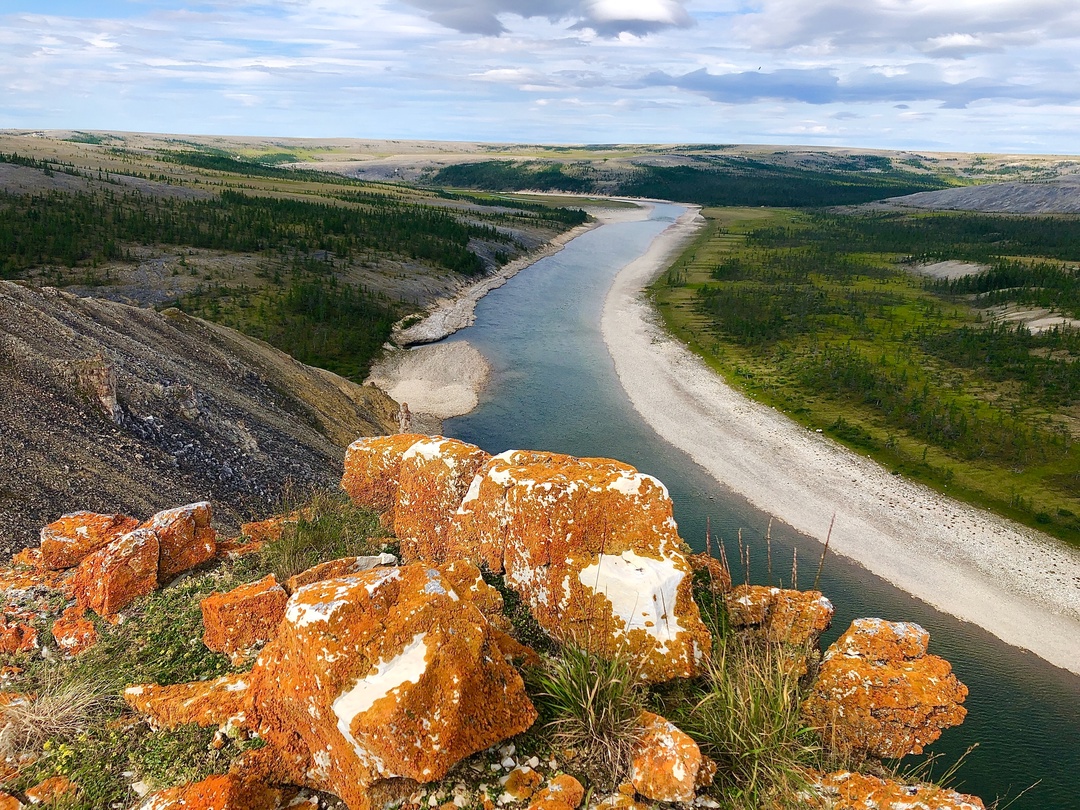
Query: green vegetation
x,y
592,706
328,527
311,262
748,721
822,316
713,180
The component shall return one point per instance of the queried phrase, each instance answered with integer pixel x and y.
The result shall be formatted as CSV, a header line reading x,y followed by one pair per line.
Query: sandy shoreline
x,y
445,380
1019,585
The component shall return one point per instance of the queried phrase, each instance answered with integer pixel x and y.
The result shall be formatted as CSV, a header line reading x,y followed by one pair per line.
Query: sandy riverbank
x,y
445,380
1019,585
448,315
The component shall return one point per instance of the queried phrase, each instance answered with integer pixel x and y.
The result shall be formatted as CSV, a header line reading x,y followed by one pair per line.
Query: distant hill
x,y
1060,195
110,407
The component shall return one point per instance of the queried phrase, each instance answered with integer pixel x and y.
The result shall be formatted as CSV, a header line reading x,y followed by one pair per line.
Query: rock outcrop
x,y
880,694
388,673
844,790
113,577
589,544
67,541
778,615
237,622
185,538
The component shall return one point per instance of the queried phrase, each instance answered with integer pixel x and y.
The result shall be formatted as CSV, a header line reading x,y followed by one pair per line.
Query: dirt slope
x,y
1058,196
109,407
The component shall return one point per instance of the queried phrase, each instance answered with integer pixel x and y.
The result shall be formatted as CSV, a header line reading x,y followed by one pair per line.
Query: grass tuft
x,y
592,706
330,527
61,709
748,721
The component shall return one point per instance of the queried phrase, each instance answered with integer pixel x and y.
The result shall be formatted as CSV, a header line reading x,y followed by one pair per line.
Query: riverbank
x,y
1017,584
445,380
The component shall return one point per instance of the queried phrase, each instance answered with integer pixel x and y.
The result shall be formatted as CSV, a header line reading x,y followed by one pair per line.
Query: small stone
x,y
508,763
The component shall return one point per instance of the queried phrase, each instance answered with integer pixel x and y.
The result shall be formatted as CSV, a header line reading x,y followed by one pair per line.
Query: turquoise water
x,y
554,387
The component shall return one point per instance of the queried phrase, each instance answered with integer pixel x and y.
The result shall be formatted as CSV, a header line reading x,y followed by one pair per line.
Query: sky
x,y
948,75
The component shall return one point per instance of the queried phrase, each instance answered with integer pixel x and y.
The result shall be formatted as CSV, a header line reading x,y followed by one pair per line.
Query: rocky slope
x,y
368,682
1061,195
118,409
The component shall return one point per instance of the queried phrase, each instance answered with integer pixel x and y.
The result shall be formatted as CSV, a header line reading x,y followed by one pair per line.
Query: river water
x,y
553,387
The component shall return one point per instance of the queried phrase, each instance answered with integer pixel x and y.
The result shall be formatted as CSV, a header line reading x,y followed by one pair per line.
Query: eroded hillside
x,y
121,409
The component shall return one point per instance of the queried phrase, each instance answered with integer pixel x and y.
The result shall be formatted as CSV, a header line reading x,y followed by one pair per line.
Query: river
x,y
554,387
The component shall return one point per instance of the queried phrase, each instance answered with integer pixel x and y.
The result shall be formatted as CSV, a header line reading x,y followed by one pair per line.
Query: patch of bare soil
x,y
949,270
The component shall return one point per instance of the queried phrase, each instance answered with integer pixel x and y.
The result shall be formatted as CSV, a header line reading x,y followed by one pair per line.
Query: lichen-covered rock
x,y
222,701
666,761
844,790
879,694
344,567
434,477
113,577
793,619
353,686
592,547
715,572
73,632
519,785
372,470
391,672
224,792
238,621
9,802
185,537
564,791
67,541
51,790
17,637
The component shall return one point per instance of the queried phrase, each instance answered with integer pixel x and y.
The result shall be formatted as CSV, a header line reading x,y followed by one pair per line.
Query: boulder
x,y
779,615
844,790
880,694
388,673
67,541
666,761
592,548
715,572
224,792
416,483
17,637
9,802
111,578
185,537
372,470
73,632
235,623
346,566
353,682
434,477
